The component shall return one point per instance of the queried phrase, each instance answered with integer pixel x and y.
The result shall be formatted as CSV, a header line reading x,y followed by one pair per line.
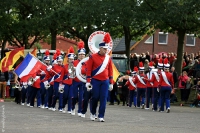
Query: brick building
x,y
164,42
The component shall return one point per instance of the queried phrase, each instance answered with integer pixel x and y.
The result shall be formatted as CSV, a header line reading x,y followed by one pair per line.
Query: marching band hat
x,y
46,57
151,65
106,40
54,61
141,67
71,53
166,63
160,63
59,56
81,49
135,70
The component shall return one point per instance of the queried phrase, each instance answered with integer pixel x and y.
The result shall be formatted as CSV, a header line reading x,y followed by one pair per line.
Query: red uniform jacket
x,y
130,86
169,78
138,83
66,79
94,63
154,80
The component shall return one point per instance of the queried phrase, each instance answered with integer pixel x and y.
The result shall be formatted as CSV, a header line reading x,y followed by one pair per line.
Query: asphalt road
x,y
118,119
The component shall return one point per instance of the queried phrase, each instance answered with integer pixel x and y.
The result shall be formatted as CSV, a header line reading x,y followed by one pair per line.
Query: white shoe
x,y
168,110
53,109
64,110
38,106
83,115
46,107
73,112
28,104
95,117
60,110
22,103
92,117
79,114
42,107
147,108
142,106
69,112
101,120
50,108
31,106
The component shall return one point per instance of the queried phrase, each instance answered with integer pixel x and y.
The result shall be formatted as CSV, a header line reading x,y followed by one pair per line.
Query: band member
x,y
156,87
132,88
59,73
140,81
24,85
77,84
149,90
51,82
35,87
100,77
86,94
67,81
44,77
167,86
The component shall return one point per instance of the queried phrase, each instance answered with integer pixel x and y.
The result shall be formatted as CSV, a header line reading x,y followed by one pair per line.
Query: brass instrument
x,y
47,85
61,88
17,86
71,70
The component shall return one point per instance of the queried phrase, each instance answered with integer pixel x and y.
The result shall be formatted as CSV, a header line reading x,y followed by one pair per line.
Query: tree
x,y
175,16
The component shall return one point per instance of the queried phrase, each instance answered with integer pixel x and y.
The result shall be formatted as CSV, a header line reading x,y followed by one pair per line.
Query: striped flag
x,y
29,66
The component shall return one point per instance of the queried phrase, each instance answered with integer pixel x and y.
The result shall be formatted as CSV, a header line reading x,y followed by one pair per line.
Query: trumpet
x,y
71,70
61,90
17,86
47,85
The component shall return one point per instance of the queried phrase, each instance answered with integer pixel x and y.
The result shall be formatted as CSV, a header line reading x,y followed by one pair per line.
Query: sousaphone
x,y
93,43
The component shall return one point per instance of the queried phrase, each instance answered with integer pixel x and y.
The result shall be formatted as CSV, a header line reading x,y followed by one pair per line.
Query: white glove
x,y
29,83
49,68
158,89
135,90
24,83
36,78
42,72
110,87
88,86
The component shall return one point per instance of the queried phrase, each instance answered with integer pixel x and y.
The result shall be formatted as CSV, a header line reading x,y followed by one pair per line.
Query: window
x,y
190,40
162,38
149,40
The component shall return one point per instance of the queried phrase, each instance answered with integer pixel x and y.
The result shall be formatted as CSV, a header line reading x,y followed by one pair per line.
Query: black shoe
x,y
118,102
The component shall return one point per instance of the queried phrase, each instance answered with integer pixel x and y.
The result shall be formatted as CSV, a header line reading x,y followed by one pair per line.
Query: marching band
x,y
61,82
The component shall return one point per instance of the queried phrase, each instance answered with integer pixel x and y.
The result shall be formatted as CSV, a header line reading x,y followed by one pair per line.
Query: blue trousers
x,y
86,98
156,96
99,92
165,92
77,95
57,95
140,94
132,98
43,94
33,93
50,96
67,96
28,94
23,92
38,98
149,97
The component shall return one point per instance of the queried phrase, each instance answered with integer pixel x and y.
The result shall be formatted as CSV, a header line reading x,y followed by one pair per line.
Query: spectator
x,y
3,82
133,61
148,56
181,85
196,101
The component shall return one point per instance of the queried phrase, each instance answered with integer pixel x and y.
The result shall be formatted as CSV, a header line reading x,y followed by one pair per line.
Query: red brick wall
x,y
61,43
171,46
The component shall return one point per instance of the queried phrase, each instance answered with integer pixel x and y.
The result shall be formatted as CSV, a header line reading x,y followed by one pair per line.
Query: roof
x,y
120,46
